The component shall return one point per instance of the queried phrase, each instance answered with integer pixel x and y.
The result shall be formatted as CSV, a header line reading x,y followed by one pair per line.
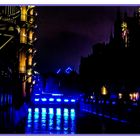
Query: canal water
x,y
51,121
61,121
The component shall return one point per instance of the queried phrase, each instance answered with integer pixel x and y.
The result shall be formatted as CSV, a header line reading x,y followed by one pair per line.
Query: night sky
x,y
67,33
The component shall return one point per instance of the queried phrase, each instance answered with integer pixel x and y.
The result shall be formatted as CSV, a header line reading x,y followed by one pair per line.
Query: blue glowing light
x,y
72,113
29,110
58,100
51,99
54,94
66,100
65,120
51,111
66,111
72,100
36,99
43,110
72,110
36,109
107,102
114,103
29,120
115,119
37,94
68,70
58,111
58,71
36,117
28,125
44,99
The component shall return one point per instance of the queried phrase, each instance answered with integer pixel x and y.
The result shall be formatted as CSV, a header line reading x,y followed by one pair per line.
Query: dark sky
x,y
67,33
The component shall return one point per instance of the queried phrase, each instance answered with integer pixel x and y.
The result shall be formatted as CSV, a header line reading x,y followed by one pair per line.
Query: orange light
x,y
103,90
31,12
22,62
23,38
31,35
23,13
30,60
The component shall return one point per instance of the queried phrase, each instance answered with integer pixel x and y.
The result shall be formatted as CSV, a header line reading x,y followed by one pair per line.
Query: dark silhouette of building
x,y
116,64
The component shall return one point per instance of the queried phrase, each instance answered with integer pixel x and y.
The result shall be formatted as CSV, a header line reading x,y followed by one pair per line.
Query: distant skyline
x,y
69,32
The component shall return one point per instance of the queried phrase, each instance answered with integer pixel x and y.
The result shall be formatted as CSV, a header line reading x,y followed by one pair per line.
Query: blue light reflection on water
x,y
58,118
51,121
66,117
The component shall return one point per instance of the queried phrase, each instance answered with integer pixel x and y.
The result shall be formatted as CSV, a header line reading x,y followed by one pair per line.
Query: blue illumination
x,y
114,103
57,94
68,70
58,121
58,71
72,113
115,119
43,110
29,115
51,111
66,112
36,110
29,120
58,100
36,117
123,121
58,111
72,110
107,102
37,94
28,125
65,120
72,100
43,119
66,100
51,99
36,99
29,110
107,116
44,99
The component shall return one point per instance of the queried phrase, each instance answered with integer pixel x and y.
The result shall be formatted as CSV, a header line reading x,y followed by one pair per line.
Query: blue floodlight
x,y
37,94
72,110
36,99
66,100
68,70
58,111
113,102
58,71
51,111
44,99
36,109
54,94
72,100
29,110
58,100
43,110
51,99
